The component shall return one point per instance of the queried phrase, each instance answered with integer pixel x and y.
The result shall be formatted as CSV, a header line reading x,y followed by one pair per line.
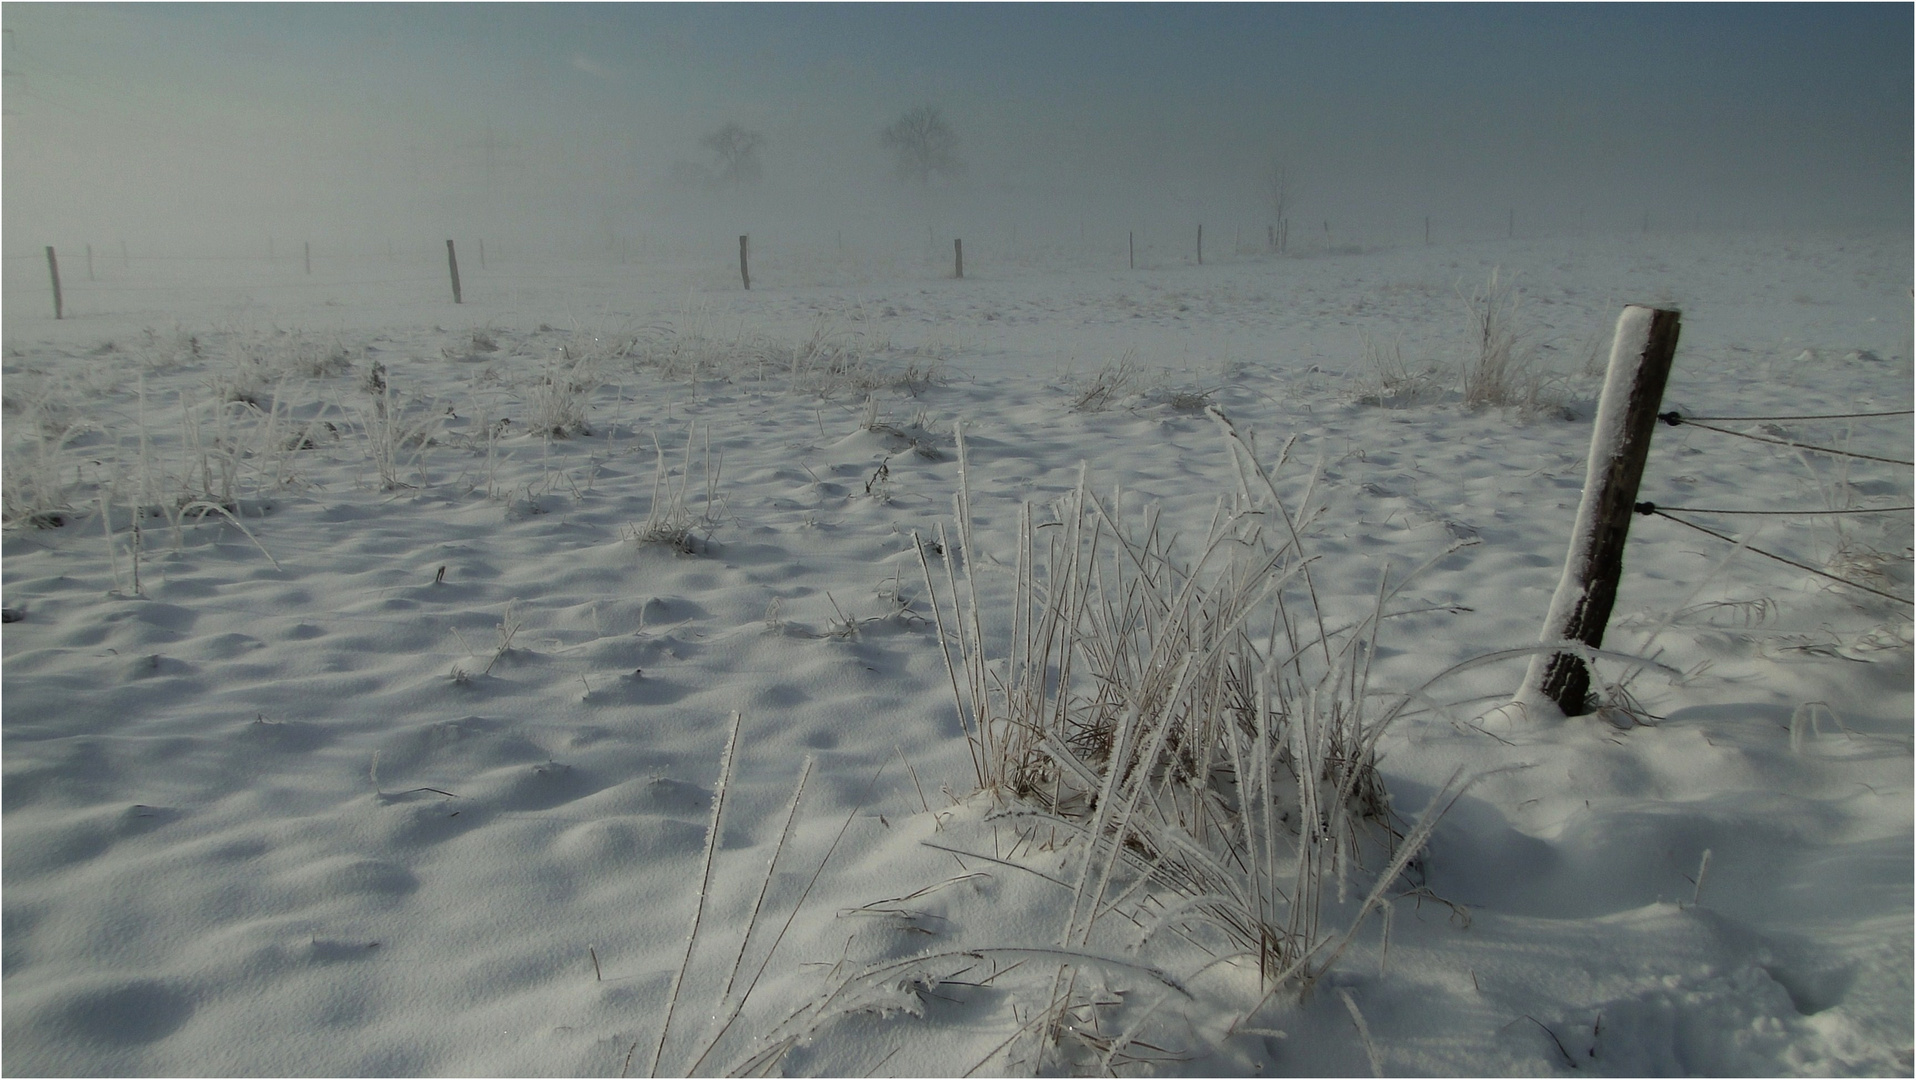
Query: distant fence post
x,y
1200,245
1640,358
89,263
306,249
482,253
1131,243
53,268
958,250
744,269
452,263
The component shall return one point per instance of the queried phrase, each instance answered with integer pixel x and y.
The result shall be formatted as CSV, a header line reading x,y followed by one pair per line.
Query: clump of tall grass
x,y
1499,370
836,356
1110,384
670,520
35,488
1391,382
397,435
1200,727
558,396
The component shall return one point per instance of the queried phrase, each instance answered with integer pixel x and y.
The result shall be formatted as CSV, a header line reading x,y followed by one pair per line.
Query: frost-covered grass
x,y
1146,737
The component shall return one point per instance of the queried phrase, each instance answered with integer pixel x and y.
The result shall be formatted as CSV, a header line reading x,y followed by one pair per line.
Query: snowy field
x,y
370,662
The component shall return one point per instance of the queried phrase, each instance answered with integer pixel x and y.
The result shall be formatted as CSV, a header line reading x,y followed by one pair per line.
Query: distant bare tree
x,y
737,152
923,145
1279,194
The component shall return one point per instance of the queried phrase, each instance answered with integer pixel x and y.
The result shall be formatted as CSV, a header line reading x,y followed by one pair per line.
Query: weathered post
x,y
452,263
1200,245
958,250
744,271
307,251
1640,359
53,268
1426,230
1131,241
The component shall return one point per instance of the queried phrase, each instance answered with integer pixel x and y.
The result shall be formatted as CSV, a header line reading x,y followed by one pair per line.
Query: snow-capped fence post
x,y
452,263
958,251
744,271
1640,357
53,268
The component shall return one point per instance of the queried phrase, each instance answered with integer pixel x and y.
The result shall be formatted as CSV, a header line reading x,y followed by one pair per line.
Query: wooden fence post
x,y
482,253
452,263
958,250
306,249
1640,357
1200,245
1131,241
53,268
744,270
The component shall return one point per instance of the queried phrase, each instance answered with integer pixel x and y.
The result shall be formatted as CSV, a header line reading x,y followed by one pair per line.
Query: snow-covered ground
x,y
404,766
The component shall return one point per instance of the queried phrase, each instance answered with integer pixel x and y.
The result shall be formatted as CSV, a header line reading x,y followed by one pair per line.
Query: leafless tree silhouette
x,y
1279,194
923,145
737,153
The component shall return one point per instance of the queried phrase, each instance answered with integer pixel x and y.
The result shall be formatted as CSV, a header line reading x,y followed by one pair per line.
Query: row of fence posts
x,y
1640,359
1277,237
744,265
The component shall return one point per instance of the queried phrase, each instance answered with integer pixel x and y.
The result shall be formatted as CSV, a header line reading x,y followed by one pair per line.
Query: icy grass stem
x,y
712,837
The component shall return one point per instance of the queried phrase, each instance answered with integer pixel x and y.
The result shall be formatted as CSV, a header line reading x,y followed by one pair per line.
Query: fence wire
x,y
1673,418
1651,509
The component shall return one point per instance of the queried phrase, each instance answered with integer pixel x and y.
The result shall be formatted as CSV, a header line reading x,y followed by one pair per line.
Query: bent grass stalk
x,y
712,831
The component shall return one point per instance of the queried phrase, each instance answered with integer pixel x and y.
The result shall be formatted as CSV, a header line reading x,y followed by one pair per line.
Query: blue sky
x,y
331,118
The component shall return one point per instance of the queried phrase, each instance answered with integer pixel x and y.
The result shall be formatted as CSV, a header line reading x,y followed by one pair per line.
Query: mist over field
x,y
187,127
457,623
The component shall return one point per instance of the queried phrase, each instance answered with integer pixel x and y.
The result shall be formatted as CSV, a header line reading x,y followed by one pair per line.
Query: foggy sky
x,y
205,125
